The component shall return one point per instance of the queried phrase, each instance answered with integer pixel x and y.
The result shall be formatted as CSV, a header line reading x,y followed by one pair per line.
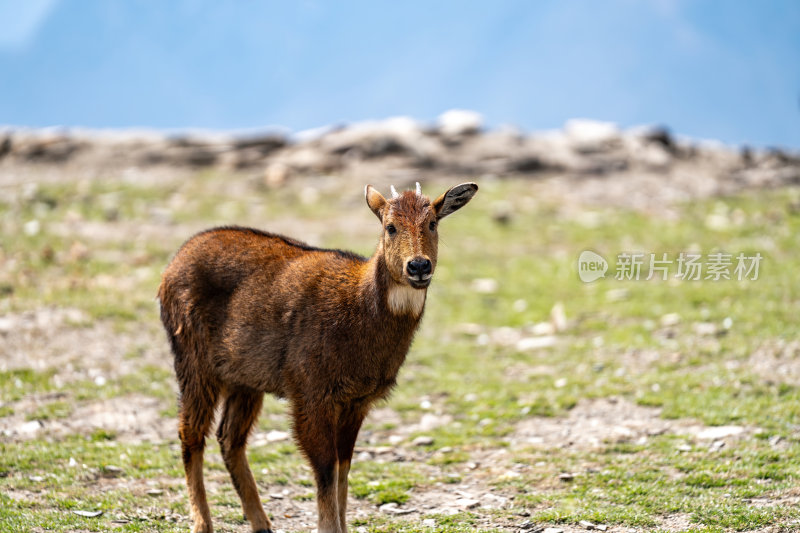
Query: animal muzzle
x,y
419,271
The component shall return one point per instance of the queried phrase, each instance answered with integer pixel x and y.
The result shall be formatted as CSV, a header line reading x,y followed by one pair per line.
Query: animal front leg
x,y
349,424
315,430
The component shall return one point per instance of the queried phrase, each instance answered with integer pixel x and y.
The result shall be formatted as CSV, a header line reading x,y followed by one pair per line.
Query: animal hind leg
x,y
239,414
194,420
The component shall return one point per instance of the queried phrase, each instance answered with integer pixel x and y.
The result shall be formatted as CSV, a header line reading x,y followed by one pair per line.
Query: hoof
x,y
264,531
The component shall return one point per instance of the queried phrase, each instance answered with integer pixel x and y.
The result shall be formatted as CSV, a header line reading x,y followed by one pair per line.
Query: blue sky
x,y
724,69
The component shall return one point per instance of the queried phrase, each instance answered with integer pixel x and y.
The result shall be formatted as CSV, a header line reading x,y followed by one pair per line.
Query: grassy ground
x,y
602,418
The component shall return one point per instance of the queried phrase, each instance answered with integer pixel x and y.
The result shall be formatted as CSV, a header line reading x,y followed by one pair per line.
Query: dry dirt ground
x,y
61,341
55,340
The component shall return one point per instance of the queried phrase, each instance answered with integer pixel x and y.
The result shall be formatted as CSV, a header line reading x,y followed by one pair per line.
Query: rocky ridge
x,y
457,144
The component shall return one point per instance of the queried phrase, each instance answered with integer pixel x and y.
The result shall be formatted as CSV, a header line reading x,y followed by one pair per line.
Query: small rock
x,y
88,514
394,440
558,317
506,336
560,383
718,221
431,421
423,440
383,450
72,462
32,228
509,475
6,324
364,456
277,436
553,530
467,503
154,492
670,319
392,508
705,329
469,328
30,427
276,495
720,432
566,476
429,522
601,527
543,328
388,507
36,478
535,343
586,524
112,470
684,448
520,306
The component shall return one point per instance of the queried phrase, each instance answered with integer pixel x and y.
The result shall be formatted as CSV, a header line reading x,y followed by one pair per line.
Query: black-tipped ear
x,y
375,201
454,199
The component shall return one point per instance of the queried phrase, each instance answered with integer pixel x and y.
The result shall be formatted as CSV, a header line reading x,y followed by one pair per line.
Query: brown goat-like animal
x,y
249,312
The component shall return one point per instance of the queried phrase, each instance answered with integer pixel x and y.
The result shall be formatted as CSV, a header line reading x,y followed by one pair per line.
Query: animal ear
x,y
375,201
454,199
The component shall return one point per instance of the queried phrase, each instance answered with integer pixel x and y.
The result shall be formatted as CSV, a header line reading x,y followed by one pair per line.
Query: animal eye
x,y
390,229
433,225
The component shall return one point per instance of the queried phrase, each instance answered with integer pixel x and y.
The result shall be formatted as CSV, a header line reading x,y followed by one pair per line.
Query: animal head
x,y
410,238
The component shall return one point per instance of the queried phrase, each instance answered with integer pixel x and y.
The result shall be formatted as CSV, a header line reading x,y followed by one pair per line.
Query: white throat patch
x,y
405,299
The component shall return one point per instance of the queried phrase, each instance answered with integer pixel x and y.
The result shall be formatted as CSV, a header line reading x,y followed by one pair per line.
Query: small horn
x,y
394,192
419,189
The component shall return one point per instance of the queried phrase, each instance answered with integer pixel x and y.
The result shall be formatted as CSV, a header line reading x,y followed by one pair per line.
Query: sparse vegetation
x,y
696,355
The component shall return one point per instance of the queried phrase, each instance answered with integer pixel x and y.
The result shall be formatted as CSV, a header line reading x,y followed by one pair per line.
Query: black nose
x,y
419,267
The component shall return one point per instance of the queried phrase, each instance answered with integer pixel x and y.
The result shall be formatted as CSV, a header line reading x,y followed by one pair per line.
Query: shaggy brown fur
x,y
249,312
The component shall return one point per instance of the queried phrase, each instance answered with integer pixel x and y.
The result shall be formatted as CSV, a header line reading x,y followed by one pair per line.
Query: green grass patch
x,y
711,364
